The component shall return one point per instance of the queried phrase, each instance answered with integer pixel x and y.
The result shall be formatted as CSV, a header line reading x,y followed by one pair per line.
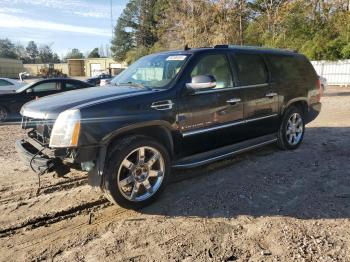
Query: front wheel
x,y
136,172
3,114
292,128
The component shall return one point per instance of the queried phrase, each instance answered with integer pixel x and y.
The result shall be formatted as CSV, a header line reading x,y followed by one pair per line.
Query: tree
x,y
135,28
32,51
94,53
7,49
45,54
74,54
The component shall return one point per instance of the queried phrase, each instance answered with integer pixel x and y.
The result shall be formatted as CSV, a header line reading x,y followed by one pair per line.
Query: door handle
x,y
271,95
233,101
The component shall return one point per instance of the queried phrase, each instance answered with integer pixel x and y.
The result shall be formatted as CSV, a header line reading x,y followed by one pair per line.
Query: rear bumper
x,y
314,111
33,157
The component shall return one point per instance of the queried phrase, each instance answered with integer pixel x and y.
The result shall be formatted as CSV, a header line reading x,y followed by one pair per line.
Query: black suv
x,y
178,109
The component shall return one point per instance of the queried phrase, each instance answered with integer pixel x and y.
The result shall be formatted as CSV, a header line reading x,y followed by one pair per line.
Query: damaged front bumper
x,y
35,156
40,158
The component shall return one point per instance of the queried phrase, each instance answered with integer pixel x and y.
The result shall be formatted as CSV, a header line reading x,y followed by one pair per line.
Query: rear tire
x,y
292,128
136,172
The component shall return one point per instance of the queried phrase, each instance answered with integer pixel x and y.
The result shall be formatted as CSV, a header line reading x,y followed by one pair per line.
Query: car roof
x,y
251,49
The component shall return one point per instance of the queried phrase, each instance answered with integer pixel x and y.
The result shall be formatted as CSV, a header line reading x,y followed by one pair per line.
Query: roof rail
x,y
221,46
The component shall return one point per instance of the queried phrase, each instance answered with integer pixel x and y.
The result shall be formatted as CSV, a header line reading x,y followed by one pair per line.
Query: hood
x,y
50,107
7,91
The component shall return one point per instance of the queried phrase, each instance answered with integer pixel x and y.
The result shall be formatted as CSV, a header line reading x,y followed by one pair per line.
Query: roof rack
x,y
254,47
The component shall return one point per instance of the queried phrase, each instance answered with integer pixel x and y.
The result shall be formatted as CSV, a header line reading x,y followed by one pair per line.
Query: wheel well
x,y
301,105
159,133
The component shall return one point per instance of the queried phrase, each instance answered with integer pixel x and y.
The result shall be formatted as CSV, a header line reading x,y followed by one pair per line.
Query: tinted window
x,y
72,86
5,83
217,66
290,68
251,69
46,87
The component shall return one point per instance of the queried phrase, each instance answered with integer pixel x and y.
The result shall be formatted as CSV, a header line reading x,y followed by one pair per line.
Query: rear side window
x,y
251,69
72,86
290,68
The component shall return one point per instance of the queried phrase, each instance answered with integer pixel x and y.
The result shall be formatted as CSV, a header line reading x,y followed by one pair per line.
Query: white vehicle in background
x,y
105,82
8,85
323,82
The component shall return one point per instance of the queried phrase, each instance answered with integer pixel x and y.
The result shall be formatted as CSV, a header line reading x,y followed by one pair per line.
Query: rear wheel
x,y
137,172
3,114
292,128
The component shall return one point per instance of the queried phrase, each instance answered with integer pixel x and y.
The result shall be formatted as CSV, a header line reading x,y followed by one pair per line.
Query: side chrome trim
x,y
209,129
228,89
252,86
196,132
209,160
260,118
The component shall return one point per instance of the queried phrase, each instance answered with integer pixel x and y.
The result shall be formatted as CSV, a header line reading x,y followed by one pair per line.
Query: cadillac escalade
x,y
176,109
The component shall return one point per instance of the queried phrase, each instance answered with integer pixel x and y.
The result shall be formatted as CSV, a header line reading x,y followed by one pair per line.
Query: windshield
x,y
155,71
22,88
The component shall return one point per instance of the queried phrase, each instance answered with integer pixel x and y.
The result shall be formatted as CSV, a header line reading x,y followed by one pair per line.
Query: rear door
x,y
260,96
210,118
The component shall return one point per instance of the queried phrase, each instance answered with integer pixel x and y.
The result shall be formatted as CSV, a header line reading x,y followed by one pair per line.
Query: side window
x,y
51,86
287,68
251,69
5,83
72,86
217,66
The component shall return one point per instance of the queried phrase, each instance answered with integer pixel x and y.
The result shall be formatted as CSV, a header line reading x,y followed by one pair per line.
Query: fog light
x,y
87,166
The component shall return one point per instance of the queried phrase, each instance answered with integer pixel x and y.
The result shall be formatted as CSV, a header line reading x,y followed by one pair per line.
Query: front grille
x,y
40,130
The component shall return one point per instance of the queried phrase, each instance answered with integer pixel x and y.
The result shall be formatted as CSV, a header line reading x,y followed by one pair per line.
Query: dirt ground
x,y
266,205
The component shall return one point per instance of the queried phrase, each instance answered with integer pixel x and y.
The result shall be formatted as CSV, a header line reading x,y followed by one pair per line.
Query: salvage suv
x,y
178,109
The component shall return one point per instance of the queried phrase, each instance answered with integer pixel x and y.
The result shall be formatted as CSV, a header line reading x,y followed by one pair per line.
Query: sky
x,y
62,24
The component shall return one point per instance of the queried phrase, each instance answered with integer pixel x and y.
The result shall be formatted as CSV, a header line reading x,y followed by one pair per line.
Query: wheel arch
x,y
301,103
157,130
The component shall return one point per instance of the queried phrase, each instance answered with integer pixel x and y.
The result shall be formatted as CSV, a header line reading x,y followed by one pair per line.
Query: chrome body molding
x,y
209,129
259,118
214,90
235,152
162,105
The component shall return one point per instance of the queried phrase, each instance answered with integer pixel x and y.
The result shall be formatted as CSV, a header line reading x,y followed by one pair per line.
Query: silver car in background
x,y
323,82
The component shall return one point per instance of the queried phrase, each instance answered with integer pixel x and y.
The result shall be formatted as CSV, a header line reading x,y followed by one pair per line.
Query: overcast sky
x,y
63,24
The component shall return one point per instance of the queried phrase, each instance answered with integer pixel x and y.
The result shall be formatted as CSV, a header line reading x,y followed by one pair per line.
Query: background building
x,y
10,67
80,67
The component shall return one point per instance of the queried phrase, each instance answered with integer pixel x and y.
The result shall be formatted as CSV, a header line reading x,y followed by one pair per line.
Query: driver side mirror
x,y
29,90
202,82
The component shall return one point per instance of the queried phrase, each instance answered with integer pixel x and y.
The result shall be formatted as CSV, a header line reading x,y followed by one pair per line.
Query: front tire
x,y
136,172
292,128
3,114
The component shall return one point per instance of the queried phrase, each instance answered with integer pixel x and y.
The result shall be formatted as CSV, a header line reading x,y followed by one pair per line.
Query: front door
x,y
213,117
260,97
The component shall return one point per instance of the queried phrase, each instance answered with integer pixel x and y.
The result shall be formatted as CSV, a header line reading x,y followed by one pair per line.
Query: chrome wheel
x,y
141,174
295,129
3,114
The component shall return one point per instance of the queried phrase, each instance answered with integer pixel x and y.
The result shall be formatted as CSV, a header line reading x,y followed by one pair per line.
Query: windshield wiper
x,y
133,84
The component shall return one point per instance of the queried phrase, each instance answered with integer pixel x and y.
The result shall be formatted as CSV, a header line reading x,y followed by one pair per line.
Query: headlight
x,y
65,131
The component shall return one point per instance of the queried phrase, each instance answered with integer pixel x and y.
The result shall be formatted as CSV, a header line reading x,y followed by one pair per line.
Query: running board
x,y
224,152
